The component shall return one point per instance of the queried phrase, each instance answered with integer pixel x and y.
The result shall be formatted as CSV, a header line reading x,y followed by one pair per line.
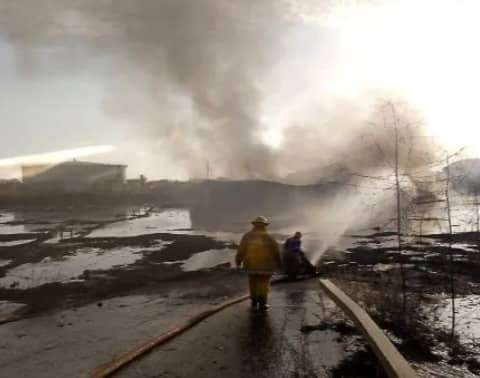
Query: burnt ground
x,y
427,260
70,327
95,291
148,274
370,272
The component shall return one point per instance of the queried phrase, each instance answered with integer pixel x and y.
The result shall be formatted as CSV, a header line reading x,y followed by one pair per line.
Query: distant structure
x,y
9,188
136,186
74,177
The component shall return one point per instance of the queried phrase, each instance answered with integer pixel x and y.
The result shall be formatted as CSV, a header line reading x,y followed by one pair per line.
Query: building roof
x,y
76,163
73,171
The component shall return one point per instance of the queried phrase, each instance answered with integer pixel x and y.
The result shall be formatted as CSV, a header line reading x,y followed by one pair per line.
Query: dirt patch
x,y
340,327
362,364
148,273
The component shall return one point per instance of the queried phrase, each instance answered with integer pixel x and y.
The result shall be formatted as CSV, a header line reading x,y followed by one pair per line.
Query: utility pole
x,y
450,253
477,219
399,209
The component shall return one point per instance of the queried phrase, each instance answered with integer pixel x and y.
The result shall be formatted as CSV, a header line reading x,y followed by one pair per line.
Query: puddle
x,y
66,235
386,267
165,221
412,253
9,310
54,240
6,229
232,237
6,217
5,262
6,226
421,259
464,246
467,317
170,262
209,259
70,268
14,243
69,232
217,235
9,229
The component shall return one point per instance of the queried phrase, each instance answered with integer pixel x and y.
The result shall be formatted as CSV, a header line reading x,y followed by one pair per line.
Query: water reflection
x,y
70,268
209,259
295,299
164,221
261,346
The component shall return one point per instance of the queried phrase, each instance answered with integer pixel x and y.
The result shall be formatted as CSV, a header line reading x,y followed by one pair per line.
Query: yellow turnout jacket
x,y
259,252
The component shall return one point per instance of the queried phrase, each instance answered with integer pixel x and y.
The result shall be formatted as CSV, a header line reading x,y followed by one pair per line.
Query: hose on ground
x,y
123,360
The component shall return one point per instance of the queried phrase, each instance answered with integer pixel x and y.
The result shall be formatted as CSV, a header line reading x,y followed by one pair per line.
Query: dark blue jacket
x,y
293,245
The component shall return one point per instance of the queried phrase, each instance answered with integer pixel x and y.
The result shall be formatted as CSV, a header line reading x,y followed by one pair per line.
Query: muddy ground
x,y
434,272
147,273
78,291
105,262
48,271
304,335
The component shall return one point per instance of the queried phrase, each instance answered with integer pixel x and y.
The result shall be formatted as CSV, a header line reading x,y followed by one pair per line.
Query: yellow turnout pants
x,y
259,286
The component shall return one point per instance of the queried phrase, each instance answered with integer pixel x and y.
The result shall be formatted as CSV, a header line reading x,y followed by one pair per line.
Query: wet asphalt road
x,y
72,343
239,343
234,343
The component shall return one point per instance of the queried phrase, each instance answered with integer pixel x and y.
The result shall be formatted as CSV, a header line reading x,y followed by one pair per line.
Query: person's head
x,y
298,235
260,222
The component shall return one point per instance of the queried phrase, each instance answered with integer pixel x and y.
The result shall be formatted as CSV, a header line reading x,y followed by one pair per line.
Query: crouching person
x,y
295,261
260,256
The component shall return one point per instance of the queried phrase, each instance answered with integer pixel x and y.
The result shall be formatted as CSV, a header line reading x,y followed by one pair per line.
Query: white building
x,y
74,177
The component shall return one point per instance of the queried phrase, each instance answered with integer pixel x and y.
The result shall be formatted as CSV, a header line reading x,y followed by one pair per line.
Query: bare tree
x,y
399,155
477,219
399,206
450,237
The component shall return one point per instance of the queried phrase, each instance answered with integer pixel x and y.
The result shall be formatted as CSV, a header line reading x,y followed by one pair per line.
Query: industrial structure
x,y
74,177
9,188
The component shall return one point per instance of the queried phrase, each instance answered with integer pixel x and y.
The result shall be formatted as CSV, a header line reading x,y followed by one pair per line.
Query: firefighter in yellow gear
x,y
260,255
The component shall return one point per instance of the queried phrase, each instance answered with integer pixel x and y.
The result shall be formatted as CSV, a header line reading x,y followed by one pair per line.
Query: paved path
x,y
239,343
72,343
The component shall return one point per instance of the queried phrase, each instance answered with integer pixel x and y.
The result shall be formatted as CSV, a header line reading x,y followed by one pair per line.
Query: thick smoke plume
x,y
189,76
186,72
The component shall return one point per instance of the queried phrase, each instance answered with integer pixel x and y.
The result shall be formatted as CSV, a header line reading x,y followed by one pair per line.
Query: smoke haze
x,y
191,84
185,73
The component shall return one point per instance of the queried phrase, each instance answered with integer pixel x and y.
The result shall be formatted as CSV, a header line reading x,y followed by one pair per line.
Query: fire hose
x,y
123,360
